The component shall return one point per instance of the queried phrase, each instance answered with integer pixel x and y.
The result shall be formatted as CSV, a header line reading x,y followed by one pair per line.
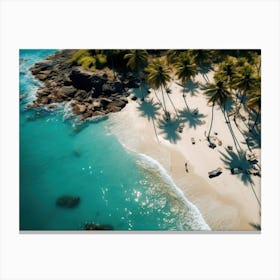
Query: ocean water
x,y
59,156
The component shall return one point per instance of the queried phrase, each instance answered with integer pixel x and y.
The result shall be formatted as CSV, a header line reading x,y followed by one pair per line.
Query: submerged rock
x,y
67,201
92,226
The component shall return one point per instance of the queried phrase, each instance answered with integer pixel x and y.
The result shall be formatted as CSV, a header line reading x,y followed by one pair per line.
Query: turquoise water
x,y
59,156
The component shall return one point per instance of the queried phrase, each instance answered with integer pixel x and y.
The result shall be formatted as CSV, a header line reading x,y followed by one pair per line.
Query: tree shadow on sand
x,y
149,110
229,106
169,128
192,117
234,160
253,138
204,69
191,87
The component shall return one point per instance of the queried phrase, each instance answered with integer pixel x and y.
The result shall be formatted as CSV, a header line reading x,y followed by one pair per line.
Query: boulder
x,y
67,201
119,103
82,95
113,109
111,88
97,83
34,104
43,92
97,104
98,113
44,100
81,78
68,91
86,115
105,101
79,108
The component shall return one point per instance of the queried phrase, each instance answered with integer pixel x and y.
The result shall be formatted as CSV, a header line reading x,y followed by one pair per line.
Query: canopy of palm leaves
x,y
137,59
158,74
186,67
245,80
255,100
217,93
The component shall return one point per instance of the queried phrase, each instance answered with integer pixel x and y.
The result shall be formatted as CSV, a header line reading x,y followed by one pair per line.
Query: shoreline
x,y
222,208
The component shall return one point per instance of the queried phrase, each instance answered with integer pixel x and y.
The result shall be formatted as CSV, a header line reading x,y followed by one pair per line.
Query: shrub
x,y
87,62
101,61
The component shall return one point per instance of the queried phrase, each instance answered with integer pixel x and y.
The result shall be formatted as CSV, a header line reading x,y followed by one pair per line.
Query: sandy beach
x,y
226,202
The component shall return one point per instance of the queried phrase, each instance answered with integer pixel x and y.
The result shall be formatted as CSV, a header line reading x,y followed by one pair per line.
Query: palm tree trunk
x,y
173,106
163,100
236,144
155,129
186,103
142,94
257,117
158,99
212,117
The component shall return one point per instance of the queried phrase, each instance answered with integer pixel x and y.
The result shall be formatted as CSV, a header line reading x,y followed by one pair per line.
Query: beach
x,y
226,202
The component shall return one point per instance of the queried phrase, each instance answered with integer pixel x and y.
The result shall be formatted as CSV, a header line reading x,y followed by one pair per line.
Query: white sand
x,y
225,202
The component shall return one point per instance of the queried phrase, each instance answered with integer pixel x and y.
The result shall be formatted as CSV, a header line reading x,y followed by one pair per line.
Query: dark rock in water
x,y
34,104
79,108
67,201
92,226
86,115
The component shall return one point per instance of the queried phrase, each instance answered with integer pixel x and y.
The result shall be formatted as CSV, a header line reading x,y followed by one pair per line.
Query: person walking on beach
x,y
186,167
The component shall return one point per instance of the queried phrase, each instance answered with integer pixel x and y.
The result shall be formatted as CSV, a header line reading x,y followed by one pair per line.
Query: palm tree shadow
x,y
205,68
229,106
255,226
191,87
192,117
234,160
170,129
253,138
149,109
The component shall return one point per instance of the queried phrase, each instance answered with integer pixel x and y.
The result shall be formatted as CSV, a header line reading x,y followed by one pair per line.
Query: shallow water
x,y
126,190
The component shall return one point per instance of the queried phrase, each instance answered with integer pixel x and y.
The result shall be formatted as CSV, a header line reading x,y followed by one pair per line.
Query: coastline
x,y
225,202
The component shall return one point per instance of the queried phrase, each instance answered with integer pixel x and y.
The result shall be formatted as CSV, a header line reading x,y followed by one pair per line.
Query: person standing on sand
x,y
186,167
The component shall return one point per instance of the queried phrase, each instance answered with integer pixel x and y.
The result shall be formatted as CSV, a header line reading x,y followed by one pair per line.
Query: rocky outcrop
x,y
92,93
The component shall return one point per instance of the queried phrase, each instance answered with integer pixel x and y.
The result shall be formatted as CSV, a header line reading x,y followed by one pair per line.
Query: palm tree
x,y
158,75
245,81
254,103
137,61
227,72
186,69
218,95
